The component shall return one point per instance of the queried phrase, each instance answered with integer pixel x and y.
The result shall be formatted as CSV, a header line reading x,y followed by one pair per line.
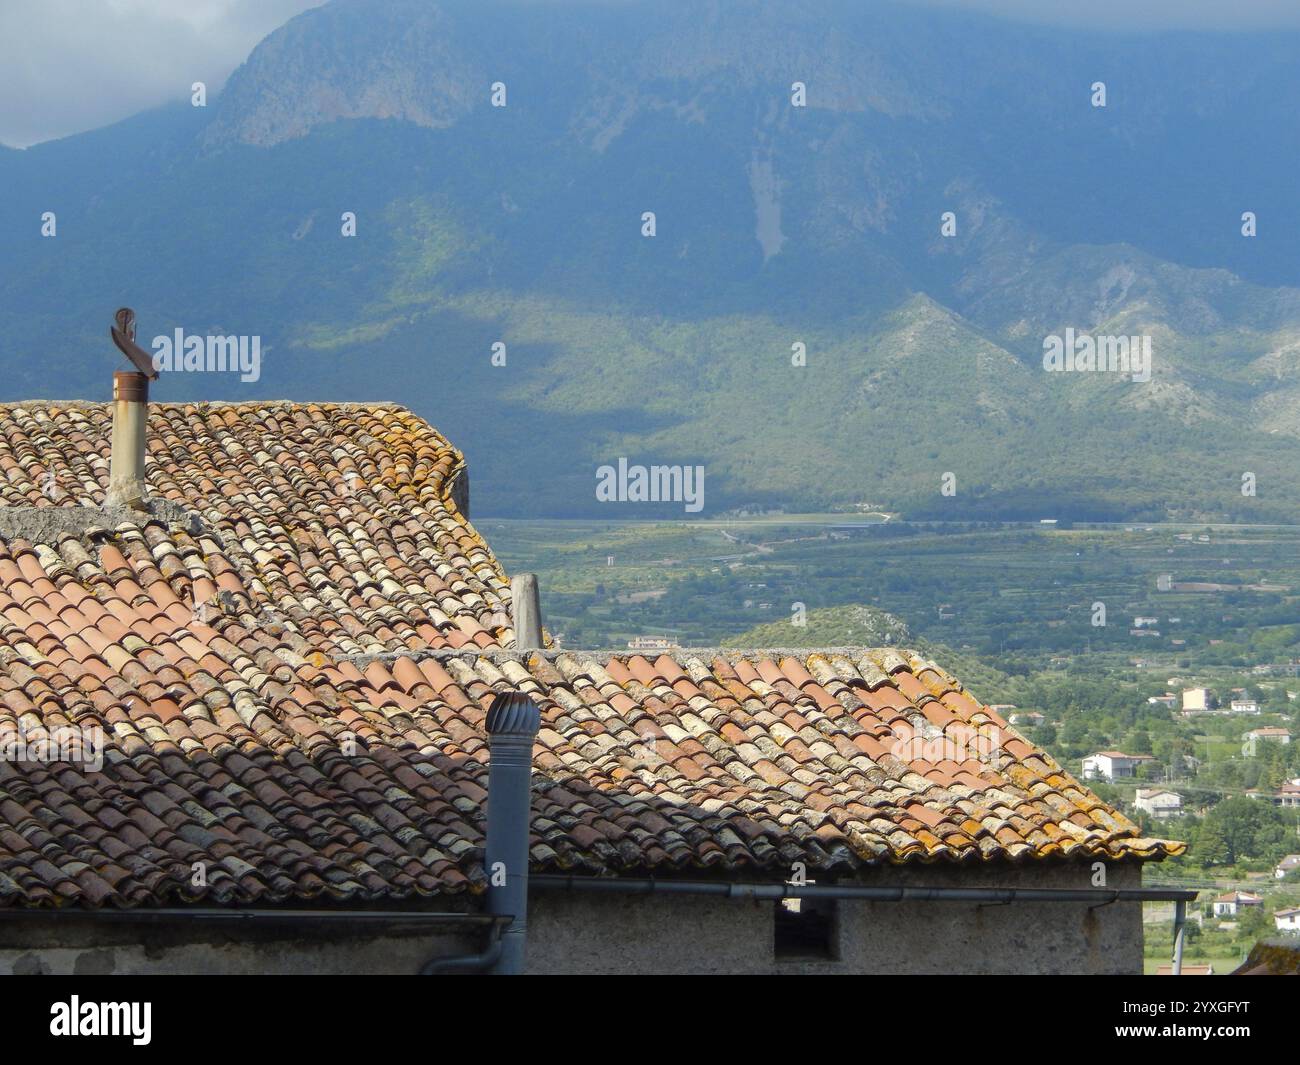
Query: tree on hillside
x,y
1139,742
1238,829
1254,922
1211,845
1173,749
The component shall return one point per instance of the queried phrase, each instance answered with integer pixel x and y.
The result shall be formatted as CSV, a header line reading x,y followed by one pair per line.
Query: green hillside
x,y
833,626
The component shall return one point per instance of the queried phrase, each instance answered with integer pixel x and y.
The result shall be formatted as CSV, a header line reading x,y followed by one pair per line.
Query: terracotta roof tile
x,y
231,668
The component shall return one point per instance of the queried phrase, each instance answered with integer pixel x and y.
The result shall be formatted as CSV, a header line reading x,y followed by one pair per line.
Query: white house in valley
x,y
1234,902
1288,864
1288,795
1250,741
1113,765
1158,802
1287,920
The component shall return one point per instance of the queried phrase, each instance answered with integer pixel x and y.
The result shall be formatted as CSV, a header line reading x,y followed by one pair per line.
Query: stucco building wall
x,y
683,934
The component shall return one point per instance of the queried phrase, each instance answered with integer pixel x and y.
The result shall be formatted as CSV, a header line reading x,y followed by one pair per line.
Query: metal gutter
x,y
728,889
244,916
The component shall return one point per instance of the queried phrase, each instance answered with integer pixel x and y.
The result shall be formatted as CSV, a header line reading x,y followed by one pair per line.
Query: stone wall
x,y
71,945
610,934
685,934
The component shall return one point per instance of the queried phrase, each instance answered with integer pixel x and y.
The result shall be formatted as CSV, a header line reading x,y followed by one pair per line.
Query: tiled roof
x,y
1271,957
340,517
293,694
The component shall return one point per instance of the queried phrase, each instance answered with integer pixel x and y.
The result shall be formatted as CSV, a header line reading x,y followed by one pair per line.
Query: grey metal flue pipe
x,y
1180,921
512,723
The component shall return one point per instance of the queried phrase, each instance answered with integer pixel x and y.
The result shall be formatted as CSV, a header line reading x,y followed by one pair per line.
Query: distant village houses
x,y
1287,865
1113,765
1158,802
1287,796
1234,902
1277,669
650,643
1250,741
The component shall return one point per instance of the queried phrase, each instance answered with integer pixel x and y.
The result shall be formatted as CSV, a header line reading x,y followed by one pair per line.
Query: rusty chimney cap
x,y
123,333
130,386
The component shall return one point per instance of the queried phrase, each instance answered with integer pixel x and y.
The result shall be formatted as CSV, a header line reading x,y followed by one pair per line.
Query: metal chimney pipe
x,y
525,605
126,487
526,610
512,723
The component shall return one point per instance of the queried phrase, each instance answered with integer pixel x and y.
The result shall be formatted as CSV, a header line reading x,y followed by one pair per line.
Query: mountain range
x,y
867,218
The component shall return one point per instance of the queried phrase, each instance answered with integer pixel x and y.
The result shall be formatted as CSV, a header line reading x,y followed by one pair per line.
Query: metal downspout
x,y
470,963
512,723
1180,921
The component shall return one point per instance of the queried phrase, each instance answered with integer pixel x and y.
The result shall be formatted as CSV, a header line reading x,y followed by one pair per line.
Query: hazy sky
x,y
72,65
